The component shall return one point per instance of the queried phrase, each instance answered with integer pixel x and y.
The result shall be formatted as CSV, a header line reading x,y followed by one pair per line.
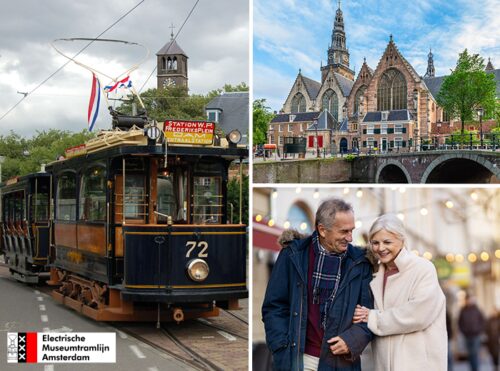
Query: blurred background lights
x,y
359,224
450,258
402,189
286,224
424,211
415,252
346,191
275,194
472,257
316,194
270,222
401,216
427,255
303,226
459,258
298,190
497,253
474,196
485,256
258,218
449,204
359,193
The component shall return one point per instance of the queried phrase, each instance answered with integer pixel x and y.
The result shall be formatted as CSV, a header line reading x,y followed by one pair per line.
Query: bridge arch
x,y
458,166
392,172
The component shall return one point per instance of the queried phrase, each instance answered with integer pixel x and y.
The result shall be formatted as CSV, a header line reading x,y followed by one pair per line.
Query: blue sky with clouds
x,y
293,34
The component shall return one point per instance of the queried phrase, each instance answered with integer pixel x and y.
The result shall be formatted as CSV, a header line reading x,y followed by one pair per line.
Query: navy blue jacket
x,y
284,311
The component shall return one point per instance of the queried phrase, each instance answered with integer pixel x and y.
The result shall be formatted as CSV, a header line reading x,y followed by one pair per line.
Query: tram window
x,y
40,207
66,197
93,195
171,195
166,201
135,197
207,200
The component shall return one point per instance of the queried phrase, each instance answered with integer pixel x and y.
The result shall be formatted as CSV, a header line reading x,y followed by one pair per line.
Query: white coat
x,y
410,318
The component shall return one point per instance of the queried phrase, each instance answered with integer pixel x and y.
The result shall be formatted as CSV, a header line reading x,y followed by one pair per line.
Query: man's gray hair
x,y
328,209
389,222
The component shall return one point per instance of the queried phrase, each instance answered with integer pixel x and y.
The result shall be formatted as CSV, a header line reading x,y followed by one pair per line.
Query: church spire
x,y
430,65
489,66
338,54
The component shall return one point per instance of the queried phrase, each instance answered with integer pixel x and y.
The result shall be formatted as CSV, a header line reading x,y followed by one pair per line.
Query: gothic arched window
x,y
391,93
298,103
330,102
163,63
357,98
169,63
174,63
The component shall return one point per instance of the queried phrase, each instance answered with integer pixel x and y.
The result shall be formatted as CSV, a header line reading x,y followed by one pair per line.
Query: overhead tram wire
x,y
175,37
70,60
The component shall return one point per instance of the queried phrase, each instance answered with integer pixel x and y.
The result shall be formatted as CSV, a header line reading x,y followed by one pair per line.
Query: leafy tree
x,y
24,156
463,137
228,88
467,88
262,116
233,198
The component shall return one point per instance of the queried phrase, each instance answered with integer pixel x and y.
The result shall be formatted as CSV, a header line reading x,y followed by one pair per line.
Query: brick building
x,y
388,108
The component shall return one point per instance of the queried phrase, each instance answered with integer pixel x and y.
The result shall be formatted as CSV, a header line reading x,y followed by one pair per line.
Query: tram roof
x,y
23,179
230,153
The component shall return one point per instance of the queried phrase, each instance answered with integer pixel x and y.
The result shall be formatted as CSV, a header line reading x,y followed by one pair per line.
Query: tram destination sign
x,y
189,132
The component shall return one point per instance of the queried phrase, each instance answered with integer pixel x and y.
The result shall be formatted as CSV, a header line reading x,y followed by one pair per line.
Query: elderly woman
x,y
409,318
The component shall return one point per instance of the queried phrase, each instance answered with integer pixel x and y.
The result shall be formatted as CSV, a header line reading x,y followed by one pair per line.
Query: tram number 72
x,y
201,244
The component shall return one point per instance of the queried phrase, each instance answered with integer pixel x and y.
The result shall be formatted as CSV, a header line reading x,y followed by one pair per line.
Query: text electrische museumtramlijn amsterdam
x,y
82,347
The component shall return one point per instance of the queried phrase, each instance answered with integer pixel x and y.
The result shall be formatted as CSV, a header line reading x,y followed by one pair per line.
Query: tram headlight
x,y
198,270
234,137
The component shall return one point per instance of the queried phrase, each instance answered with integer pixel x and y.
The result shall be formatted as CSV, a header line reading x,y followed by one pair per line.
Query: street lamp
x,y
480,113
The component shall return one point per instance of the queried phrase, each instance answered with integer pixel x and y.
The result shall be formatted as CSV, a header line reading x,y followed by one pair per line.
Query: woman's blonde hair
x,y
391,223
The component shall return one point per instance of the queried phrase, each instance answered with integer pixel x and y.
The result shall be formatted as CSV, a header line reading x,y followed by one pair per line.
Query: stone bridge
x,y
457,166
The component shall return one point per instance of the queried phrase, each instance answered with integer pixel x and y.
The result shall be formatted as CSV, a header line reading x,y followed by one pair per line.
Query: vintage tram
x,y
25,225
139,227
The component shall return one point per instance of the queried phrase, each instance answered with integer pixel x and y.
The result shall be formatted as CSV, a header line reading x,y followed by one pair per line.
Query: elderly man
x,y
314,288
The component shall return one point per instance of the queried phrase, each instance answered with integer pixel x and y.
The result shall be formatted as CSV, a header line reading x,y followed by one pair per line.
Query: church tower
x,y
430,65
171,65
338,55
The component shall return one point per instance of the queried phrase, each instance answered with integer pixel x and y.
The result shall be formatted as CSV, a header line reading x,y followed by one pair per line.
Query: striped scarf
x,y
326,276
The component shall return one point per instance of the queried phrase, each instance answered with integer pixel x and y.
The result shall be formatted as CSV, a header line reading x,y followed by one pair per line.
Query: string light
x,y
359,193
286,224
474,196
428,255
303,226
485,256
401,216
359,224
258,218
472,257
459,258
415,252
270,222
450,258
424,211
298,190
449,204
497,253
316,194
402,189
346,191
275,194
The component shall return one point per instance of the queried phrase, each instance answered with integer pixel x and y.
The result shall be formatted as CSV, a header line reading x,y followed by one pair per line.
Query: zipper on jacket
x,y
300,323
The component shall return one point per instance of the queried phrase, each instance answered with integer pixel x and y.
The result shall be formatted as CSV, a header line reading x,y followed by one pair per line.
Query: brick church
x,y
389,108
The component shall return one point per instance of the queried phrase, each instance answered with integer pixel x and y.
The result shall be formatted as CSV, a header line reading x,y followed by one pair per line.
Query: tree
x,y
262,116
233,198
227,88
25,156
467,88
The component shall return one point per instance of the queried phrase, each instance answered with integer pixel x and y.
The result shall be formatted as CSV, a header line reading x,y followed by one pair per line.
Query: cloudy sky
x,y
215,38
293,34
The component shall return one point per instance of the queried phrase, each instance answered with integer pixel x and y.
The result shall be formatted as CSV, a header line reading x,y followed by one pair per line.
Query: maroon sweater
x,y
314,332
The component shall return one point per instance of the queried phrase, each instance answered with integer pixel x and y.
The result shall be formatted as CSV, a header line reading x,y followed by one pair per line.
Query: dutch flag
x,y
95,99
123,83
